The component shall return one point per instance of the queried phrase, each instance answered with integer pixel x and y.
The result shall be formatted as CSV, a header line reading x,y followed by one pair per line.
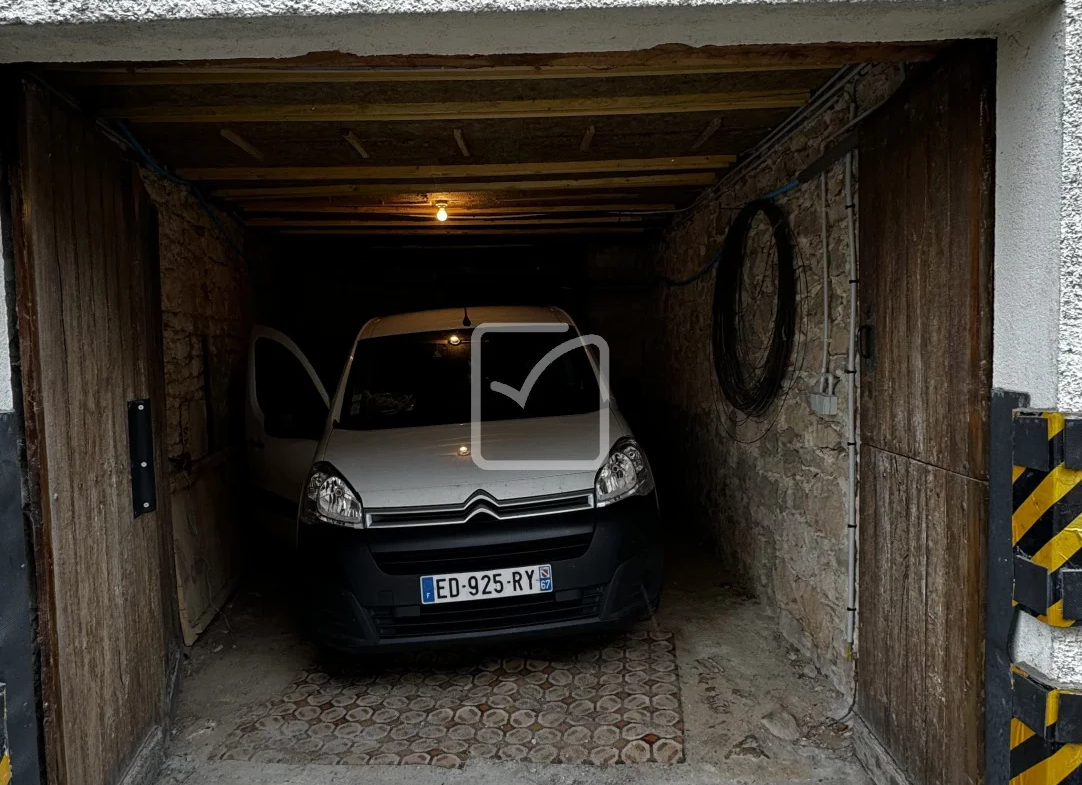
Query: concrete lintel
x,y
74,30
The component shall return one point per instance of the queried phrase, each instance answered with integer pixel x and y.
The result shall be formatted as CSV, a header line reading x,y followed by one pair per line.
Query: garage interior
x,y
164,209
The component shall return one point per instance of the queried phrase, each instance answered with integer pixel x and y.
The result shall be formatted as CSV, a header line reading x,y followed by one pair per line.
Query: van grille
x,y
480,503
492,556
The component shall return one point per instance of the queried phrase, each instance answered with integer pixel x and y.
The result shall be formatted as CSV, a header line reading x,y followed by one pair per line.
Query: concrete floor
x,y
753,710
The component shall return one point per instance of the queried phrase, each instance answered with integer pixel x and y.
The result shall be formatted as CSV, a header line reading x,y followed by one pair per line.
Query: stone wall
x,y
204,319
771,491
205,324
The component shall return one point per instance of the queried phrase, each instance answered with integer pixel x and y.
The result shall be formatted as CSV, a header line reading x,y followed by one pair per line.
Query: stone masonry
x,y
204,310
205,324
773,492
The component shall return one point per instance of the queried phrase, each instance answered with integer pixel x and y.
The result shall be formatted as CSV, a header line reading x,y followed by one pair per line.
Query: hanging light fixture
x,y
441,213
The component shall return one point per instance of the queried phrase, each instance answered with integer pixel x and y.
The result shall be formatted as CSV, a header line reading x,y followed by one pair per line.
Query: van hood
x,y
410,467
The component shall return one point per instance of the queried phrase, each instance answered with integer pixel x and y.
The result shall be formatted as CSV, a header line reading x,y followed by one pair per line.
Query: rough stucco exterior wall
x,y
1070,333
82,12
1026,312
775,498
1038,302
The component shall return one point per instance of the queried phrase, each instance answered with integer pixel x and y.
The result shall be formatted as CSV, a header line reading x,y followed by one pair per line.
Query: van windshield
x,y
417,379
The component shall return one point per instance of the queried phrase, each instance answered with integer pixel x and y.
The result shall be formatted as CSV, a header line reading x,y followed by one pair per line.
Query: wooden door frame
x,y
36,502
17,506
27,377
980,432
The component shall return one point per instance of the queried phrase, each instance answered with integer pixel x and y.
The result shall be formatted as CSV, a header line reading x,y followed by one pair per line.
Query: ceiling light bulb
x,y
454,340
441,214
463,450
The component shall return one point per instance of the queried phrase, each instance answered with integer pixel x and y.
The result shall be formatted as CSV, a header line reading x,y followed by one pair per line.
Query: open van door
x,y
287,412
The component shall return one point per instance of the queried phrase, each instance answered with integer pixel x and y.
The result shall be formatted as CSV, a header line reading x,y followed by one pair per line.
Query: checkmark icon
x,y
520,396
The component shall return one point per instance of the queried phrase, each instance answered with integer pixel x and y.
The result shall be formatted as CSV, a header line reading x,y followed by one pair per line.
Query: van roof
x,y
451,318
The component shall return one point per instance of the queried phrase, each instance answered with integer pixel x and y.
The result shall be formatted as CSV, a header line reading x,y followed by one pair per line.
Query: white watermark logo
x,y
520,394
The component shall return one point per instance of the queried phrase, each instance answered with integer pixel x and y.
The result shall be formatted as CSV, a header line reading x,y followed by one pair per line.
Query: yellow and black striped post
x,y
1046,525
1044,715
1046,534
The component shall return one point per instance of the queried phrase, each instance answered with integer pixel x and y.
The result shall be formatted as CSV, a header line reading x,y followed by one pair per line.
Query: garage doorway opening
x,y
309,196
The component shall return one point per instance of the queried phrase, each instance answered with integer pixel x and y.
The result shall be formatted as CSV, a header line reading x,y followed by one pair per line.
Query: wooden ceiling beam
x,y
454,170
452,222
462,110
644,181
166,76
302,206
439,231
658,61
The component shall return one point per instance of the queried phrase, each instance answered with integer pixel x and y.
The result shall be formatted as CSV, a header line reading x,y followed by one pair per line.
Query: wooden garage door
x,y
925,275
86,268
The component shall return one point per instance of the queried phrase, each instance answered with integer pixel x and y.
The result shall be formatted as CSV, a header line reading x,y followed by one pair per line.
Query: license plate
x,y
486,585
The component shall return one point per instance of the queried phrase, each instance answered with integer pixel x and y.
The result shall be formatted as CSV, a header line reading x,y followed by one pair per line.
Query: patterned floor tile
x,y
617,702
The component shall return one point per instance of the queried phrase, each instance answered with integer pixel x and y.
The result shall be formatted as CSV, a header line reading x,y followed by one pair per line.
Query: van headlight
x,y
328,497
624,473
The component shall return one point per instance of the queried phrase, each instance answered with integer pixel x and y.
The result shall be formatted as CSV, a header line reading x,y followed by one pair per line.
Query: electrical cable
x,y
119,132
752,384
695,276
824,235
813,170
819,102
789,186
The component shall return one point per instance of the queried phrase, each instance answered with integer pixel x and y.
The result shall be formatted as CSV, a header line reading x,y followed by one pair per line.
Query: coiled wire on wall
x,y
751,384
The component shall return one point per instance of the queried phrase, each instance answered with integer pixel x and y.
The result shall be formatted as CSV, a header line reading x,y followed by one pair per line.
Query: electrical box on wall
x,y
824,405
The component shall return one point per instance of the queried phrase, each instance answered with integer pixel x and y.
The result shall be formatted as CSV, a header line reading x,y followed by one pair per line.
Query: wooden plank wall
x,y
925,275
206,541
90,343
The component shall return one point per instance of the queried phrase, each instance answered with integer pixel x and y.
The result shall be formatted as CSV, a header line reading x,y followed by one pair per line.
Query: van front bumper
x,y
362,587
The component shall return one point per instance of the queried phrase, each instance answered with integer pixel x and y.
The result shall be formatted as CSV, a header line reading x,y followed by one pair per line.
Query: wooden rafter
x,y
394,190
303,206
644,181
660,61
463,110
702,162
439,231
453,221
195,75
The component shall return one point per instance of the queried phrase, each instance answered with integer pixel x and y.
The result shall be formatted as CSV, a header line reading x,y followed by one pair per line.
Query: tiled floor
x,y
616,703
709,693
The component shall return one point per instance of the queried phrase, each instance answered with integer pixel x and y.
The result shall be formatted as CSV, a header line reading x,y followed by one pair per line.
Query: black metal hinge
x,y
144,493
